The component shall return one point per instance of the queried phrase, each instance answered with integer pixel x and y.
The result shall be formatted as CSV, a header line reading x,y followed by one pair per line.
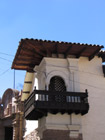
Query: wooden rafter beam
x,y
22,66
27,62
32,53
102,55
35,50
25,67
21,58
29,56
48,52
67,51
56,49
81,51
92,55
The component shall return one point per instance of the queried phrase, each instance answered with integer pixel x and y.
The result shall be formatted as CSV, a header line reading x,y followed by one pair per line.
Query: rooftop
x,y
30,52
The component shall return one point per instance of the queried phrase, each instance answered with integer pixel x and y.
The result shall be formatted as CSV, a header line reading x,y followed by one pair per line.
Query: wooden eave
x,y
103,69
102,55
30,52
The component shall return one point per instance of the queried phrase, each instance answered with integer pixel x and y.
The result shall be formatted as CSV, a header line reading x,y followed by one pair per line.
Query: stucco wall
x,y
92,78
80,74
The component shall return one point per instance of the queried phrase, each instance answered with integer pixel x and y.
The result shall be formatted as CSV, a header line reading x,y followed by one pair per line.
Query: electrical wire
x,y
6,54
76,70
8,68
5,59
60,67
76,81
5,72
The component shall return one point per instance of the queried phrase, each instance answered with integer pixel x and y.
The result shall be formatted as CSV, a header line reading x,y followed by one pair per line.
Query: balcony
x,y
40,102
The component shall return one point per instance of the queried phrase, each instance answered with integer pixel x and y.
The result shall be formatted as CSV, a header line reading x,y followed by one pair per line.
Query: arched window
x,y
57,84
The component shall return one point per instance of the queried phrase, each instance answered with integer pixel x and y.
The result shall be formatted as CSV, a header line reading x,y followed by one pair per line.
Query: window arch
x,y
57,84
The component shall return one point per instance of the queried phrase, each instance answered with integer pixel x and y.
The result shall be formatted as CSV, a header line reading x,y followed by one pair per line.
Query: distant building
x,y
12,125
70,101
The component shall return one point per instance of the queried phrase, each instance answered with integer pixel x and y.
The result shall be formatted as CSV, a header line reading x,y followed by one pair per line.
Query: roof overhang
x,y
31,51
102,55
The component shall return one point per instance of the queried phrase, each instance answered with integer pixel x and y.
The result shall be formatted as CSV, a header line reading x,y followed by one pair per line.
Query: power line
x,y
5,59
86,84
6,54
75,70
5,72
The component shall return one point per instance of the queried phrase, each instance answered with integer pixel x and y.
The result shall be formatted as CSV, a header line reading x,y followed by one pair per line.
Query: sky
x,y
80,21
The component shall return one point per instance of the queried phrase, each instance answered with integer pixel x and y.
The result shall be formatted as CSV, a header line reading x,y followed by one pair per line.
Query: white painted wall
x,y
30,126
48,68
80,74
92,78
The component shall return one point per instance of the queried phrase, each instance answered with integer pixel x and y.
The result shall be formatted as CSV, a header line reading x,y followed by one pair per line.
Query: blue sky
x,y
80,21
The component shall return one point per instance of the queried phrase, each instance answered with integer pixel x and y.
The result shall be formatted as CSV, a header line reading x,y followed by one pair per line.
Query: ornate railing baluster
x,y
69,102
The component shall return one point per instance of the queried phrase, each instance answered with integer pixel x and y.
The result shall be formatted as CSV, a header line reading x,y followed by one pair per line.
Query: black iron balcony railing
x,y
40,102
